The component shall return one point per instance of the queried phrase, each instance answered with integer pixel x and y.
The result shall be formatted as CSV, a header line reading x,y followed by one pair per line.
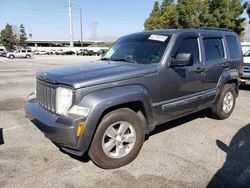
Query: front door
x,y
181,92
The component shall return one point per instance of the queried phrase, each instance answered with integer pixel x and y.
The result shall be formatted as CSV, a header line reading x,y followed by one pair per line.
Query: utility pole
x,y
70,25
81,27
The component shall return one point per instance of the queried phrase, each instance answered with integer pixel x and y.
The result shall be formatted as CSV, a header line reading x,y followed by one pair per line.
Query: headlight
x,y
79,110
63,100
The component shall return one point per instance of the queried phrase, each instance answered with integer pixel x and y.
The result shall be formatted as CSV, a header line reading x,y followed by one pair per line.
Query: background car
x,y
69,52
86,52
3,52
59,52
20,54
101,52
42,52
245,80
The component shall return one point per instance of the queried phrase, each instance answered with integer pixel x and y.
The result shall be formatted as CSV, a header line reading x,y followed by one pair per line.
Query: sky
x,y
104,19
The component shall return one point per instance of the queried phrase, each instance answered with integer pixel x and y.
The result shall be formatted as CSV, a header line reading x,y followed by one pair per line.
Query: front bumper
x,y
59,129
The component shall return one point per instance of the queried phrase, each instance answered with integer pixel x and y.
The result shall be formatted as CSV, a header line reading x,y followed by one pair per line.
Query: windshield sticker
x,y
160,38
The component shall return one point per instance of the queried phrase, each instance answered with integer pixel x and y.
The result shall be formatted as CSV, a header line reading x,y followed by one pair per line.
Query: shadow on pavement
x,y
236,170
245,87
1,136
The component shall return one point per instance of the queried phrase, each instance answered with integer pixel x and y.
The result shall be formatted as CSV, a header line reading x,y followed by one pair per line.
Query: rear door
x,y
215,64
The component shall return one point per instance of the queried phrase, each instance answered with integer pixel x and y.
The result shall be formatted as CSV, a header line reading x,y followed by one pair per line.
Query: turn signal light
x,y
80,126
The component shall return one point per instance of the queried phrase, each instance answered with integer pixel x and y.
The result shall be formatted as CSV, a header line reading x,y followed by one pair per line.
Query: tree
x,y
226,14
193,13
169,15
153,21
7,38
22,37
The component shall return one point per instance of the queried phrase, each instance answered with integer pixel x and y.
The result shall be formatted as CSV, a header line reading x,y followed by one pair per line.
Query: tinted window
x,y
213,49
233,45
23,51
189,45
28,50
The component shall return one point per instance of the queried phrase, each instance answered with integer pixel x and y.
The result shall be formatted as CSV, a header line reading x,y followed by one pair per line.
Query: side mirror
x,y
182,59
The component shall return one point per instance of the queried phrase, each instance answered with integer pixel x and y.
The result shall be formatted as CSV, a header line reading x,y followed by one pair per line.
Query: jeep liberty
x,y
105,108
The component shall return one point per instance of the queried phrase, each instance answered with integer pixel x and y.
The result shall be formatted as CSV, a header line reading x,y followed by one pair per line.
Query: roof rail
x,y
213,28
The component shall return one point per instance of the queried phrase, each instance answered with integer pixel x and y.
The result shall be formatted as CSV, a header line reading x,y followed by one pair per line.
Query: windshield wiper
x,y
126,60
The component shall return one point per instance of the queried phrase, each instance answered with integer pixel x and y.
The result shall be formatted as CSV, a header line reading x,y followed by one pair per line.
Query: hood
x,y
94,73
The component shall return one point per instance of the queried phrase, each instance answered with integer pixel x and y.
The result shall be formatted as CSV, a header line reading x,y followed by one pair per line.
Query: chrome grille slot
x,y
46,95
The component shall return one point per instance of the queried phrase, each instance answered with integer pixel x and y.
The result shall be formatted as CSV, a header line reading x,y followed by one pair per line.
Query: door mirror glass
x,y
182,59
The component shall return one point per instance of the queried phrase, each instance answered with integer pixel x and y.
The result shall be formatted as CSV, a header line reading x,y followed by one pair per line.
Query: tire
x,y
27,56
225,106
11,56
110,158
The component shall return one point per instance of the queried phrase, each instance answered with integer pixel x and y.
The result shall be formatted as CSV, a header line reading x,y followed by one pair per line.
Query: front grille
x,y
46,95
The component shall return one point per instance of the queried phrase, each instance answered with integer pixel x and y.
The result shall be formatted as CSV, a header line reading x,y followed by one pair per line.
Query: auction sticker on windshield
x,y
160,38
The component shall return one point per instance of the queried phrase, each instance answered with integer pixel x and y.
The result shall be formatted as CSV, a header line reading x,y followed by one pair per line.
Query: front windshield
x,y
139,48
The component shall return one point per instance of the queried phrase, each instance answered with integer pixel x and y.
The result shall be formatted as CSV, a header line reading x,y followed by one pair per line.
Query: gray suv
x,y
105,108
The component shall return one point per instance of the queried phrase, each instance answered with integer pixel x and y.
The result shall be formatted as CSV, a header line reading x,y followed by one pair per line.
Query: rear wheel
x,y
27,56
11,56
118,139
225,106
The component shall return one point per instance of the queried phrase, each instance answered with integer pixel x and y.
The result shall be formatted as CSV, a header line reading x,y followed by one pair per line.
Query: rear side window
x,y
28,50
189,45
23,51
213,48
233,46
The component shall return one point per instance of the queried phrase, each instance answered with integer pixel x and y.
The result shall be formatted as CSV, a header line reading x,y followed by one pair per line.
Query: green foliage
x,y
102,44
154,22
169,15
7,38
198,13
192,13
22,37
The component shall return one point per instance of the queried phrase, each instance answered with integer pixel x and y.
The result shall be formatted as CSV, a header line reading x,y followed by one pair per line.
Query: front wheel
x,y
11,56
225,106
118,139
27,56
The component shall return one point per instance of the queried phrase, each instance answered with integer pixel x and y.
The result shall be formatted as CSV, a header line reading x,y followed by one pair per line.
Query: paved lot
x,y
194,151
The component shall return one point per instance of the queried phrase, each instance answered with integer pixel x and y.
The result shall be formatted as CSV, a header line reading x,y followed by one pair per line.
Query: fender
x,y
227,77
101,100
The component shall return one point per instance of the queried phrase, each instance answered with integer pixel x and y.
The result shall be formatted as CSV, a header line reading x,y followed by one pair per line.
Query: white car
x,y
246,69
42,52
20,54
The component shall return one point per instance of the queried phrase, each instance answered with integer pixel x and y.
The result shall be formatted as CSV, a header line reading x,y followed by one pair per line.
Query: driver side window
x,y
189,45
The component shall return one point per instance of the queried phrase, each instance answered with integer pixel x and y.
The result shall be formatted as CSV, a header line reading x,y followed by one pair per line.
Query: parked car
x,y
59,52
245,80
69,52
145,79
101,52
86,52
52,52
42,52
3,52
24,53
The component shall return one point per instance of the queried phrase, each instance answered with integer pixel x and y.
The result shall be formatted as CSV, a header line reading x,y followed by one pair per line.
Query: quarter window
x,y
233,45
189,45
213,49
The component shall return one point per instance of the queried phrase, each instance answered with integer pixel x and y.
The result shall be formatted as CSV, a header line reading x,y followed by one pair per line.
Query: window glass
x,y
143,48
189,45
247,54
234,51
23,51
213,48
28,50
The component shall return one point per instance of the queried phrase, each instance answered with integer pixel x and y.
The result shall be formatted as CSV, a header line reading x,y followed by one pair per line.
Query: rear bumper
x,y
59,129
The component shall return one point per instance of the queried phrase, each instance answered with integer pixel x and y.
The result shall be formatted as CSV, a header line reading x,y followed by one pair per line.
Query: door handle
x,y
199,70
225,65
